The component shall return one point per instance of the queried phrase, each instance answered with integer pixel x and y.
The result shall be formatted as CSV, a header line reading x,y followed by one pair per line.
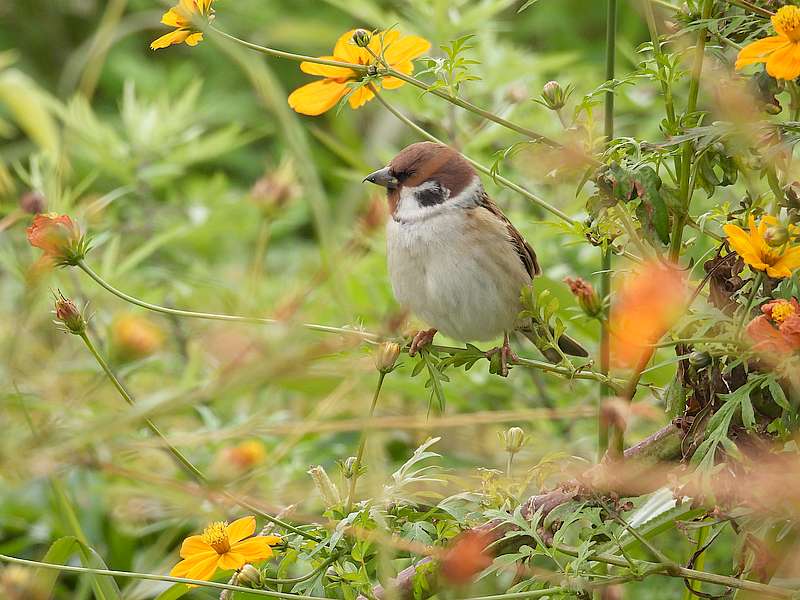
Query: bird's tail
x,y
543,342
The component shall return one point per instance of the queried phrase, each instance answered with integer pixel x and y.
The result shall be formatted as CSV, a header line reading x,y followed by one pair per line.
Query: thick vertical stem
x,y
688,148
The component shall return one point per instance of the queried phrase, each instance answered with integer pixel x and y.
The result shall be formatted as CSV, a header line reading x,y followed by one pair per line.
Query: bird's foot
x,y
421,339
506,354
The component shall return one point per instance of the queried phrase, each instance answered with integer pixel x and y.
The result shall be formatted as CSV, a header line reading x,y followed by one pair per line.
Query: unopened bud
x,y
250,577
68,315
586,296
553,95
361,38
349,467
33,202
514,439
772,108
699,360
776,236
328,491
386,356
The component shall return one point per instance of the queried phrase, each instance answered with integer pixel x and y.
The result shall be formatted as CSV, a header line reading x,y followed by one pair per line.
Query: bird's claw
x,y
421,339
507,356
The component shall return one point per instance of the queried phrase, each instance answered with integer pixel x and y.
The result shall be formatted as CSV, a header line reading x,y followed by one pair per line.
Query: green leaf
x,y
176,591
652,210
105,588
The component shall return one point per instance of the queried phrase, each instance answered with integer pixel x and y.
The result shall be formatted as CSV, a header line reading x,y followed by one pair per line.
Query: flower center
x,y
216,536
782,311
787,21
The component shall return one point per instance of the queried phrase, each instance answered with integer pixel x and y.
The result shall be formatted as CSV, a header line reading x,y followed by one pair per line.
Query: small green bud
x,y
361,38
514,439
250,577
386,356
349,467
553,95
586,296
776,236
68,315
699,360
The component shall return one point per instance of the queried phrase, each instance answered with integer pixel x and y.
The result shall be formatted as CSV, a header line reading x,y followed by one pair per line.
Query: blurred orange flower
x,y
58,236
753,248
645,308
777,330
223,546
135,336
320,96
245,455
180,17
781,52
465,558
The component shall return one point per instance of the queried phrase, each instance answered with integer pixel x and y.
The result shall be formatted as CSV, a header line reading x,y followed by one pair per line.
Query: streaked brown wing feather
x,y
523,248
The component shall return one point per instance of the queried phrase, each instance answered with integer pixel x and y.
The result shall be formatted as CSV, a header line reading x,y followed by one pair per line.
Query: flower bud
x,y
586,296
250,577
386,355
553,95
276,189
349,467
361,38
328,491
514,439
776,236
699,360
59,237
68,315
32,202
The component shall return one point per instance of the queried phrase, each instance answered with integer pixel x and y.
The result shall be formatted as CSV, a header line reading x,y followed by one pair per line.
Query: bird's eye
x,y
403,175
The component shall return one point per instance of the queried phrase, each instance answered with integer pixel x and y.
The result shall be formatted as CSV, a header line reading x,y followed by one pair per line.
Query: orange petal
x,y
231,560
204,569
255,548
406,48
194,39
360,97
173,37
240,529
193,546
316,98
174,18
326,70
758,51
784,63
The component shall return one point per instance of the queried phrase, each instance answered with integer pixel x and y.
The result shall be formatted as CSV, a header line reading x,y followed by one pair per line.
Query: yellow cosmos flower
x,y
781,52
753,248
180,17
398,52
223,546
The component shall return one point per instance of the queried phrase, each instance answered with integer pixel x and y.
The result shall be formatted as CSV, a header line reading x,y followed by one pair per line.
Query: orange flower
x,y
59,237
781,52
180,17
777,330
246,455
223,546
753,248
649,303
320,96
466,557
135,336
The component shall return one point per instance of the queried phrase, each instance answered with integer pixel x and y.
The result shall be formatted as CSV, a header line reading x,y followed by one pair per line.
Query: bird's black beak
x,y
382,177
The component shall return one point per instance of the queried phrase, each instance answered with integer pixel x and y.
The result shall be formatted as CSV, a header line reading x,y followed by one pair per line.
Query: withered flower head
x,y
33,202
585,294
276,189
386,356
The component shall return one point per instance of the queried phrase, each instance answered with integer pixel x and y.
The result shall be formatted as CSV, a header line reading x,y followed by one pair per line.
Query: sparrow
x,y
454,259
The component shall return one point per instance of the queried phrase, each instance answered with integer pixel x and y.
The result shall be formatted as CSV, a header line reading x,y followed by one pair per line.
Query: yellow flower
x,y
752,247
180,17
317,97
223,546
781,52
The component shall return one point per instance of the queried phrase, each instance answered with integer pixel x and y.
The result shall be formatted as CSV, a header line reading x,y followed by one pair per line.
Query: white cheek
x,y
409,209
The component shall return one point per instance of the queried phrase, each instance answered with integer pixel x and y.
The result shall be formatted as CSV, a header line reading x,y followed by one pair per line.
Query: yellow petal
x,y
360,97
346,51
741,243
255,548
381,41
204,569
231,560
790,261
193,546
759,50
182,568
315,98
326,70
205,5
406,48
188,7
194,39
784,63
173,37
174,18
240,529
392,83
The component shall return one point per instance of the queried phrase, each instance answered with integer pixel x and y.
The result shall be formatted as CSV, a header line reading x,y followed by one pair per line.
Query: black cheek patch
x,y
430,197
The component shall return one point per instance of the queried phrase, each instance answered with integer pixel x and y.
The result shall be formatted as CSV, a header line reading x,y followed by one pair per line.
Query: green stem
x,y
213,316
688,147
302,578
193,471
149,577
750,300
745,4
702,537
519,595
666,89
362,446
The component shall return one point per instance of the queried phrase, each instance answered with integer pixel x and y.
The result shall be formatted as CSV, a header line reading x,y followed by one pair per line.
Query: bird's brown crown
x,y
426,161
